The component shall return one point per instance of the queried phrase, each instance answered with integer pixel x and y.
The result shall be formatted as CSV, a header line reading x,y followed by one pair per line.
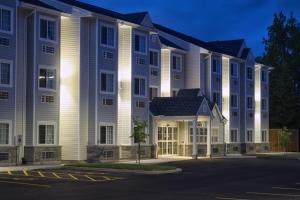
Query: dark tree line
x,y
282,51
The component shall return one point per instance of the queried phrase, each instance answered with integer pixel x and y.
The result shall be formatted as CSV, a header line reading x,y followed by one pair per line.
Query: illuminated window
x,y
215,135
47,78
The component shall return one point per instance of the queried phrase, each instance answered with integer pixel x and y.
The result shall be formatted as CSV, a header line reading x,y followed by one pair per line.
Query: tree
x,y
284,138
139,135
282,51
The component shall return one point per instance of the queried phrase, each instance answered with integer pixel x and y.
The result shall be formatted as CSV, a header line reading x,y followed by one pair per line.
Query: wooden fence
x,y
275,143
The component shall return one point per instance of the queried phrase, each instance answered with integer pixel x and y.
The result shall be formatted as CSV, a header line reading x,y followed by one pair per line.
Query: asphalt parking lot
x,y
232,179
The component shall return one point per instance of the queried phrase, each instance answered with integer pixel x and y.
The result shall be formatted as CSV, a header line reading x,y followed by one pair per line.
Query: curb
x,y
177,170
31,167
277,158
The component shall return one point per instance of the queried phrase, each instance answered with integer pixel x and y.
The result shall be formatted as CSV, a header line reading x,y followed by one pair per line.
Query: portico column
x,y
194,138
208,151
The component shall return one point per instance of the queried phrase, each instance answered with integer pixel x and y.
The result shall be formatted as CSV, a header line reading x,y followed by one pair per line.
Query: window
x,y
217,98
249,136
4,133
234,101
48,29
264,136
176,63
249,103
46,134
249,73
4,156
140,86
3,95
153,58
215,135
233,135
5,73
153,71
5,20
108,36
234,69
263,76
216,66
48,155
153,92
177,77
47,78
174,92
140,43
106,135
201,135
107,82
264,104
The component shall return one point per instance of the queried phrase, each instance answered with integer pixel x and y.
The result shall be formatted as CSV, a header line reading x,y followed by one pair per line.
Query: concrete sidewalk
x,y
29,167
159,160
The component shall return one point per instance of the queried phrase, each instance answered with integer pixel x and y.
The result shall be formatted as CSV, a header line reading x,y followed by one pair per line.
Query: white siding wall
x,y
226,95
165,73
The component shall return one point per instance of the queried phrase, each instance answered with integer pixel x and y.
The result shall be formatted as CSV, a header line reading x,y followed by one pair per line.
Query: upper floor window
x,y
5,73
140,86
249,103
47,78
107,82
5,20
48,29
216,66
217,98
249,73
154,58
234,101
46,133
108,36
264,76
153,92
177,63
140,43
264,105
234,70
4,133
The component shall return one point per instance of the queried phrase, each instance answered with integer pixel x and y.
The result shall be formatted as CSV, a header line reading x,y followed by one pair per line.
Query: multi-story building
x,y
74,76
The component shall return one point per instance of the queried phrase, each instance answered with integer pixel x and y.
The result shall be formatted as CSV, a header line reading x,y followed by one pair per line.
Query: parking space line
x,y
54,174
90,178
41,174
273,194
25,173
285,188
73,177
9,173
229,198
28,184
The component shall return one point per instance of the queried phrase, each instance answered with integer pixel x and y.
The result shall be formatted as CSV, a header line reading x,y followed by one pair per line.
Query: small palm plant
x,y
284,138
139,135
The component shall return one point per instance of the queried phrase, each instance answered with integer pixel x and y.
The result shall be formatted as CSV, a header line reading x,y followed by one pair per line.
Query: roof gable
x,y
168,43
230,47
142,18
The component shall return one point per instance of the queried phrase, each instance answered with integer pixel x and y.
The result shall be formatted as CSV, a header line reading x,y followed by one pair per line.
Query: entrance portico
x,y
187,126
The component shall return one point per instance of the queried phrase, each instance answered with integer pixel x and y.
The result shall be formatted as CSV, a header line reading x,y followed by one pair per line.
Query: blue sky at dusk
x,y
211,19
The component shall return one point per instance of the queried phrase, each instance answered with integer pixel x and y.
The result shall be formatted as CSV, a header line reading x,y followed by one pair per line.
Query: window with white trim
x,y
264,104
140,86
140,43
5,73
234,100
233,135
154,58
107,82
201,135
249,73
108,36
215,135
5,20
47,78
46,133
177,63
217,98
106,135
249,136
249,103
153,92
264,136
234,70
4,133
48,29
216,66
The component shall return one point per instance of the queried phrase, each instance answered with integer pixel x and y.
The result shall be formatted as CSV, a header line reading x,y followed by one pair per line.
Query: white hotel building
x,y
73,76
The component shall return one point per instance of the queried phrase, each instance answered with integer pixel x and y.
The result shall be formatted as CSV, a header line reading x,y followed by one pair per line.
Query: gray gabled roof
x,y
136,18
229,47
168,43
41,4
245,53
189,92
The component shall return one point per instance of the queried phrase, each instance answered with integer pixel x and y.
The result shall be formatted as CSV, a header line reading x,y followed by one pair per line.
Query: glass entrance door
x,y
167,140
